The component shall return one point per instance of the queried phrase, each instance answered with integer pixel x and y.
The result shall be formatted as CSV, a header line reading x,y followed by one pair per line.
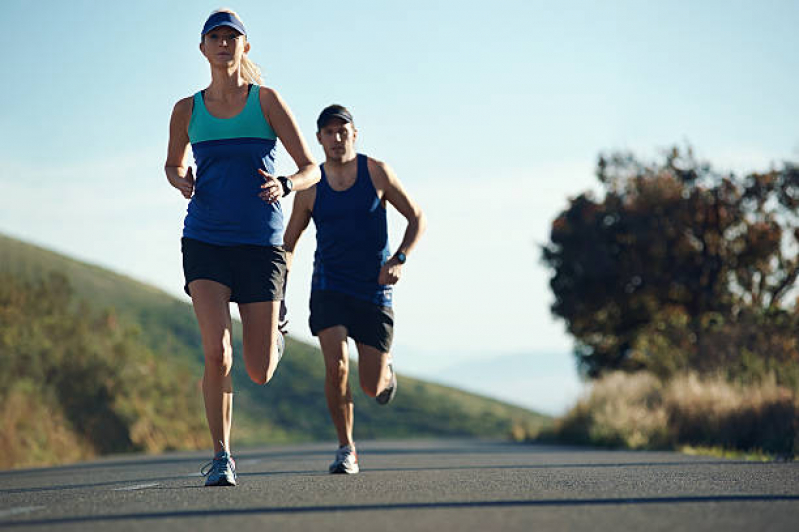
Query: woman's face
x,y
224,46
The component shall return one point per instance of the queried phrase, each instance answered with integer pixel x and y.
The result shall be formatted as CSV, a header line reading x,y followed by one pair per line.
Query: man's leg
x,y
259,326
373,369
333,341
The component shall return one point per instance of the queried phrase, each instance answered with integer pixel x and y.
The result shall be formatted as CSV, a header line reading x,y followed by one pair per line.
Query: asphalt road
x,y
439,485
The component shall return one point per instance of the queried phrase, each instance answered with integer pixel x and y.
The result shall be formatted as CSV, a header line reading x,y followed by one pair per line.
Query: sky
x,y
492,114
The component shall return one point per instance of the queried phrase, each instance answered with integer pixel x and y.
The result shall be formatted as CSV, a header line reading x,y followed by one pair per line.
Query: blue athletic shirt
x,y
351,239
225,209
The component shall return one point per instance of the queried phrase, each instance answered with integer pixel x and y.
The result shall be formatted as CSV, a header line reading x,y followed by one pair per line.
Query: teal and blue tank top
x,y
225,209
351,239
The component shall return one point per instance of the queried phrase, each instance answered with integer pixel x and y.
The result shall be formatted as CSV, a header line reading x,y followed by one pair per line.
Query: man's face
x,y
337,138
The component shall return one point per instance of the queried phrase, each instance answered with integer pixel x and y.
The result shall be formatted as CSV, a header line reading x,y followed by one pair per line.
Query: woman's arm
x,y
279,116
178,172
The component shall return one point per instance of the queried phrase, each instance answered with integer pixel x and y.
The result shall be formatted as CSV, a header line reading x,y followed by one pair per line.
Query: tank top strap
x,y
253,97
322,185
364,181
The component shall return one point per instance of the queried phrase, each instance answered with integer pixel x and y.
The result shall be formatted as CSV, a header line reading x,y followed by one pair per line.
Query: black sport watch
x,y
401,258
288,185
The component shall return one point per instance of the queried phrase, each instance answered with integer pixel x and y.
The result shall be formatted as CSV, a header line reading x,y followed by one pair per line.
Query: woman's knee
x,y
260,376
260,368
219,357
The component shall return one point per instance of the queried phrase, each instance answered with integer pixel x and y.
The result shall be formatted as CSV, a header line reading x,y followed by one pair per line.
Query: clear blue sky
x,y
492,114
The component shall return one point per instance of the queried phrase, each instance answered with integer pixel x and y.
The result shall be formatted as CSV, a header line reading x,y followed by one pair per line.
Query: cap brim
x,y
229,25
326,119
342,116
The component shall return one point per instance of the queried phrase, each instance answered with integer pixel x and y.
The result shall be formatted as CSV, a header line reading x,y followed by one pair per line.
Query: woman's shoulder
x,y
268,92
184,106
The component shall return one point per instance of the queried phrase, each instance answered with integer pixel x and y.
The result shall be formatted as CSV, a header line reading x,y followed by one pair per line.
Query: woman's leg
x,y
212,308
259,323
373,369
333,341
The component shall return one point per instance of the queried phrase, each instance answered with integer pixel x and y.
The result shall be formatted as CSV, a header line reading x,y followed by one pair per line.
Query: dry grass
x,y
35,434
639,411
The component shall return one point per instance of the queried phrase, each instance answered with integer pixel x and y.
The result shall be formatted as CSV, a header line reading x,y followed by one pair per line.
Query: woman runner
x,y
233,231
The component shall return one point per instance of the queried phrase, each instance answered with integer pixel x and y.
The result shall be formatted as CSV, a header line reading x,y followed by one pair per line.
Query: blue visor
x,y
223,19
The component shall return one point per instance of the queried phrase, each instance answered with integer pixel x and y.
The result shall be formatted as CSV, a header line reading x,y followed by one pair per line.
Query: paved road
x,y
421,485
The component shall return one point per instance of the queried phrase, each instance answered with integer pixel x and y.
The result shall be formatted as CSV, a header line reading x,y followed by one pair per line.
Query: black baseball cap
x,y
333,111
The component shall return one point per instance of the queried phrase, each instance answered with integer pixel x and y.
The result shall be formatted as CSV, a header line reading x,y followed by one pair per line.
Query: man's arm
x,y
391,191
298,222
300,217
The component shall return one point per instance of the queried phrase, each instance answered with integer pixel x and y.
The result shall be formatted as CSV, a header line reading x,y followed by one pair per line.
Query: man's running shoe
x,y
346,462
221,470
387,395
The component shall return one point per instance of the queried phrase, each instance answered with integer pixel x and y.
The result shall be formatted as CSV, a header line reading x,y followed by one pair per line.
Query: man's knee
x,y
337,370
369,387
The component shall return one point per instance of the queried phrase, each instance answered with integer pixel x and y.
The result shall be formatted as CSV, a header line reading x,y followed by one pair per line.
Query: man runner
x,y
354,271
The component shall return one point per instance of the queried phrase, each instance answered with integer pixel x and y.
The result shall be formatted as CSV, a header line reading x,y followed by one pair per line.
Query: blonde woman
x,y
233,231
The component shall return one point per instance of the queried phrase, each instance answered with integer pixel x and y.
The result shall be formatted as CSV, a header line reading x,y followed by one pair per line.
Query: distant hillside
x,y
292,407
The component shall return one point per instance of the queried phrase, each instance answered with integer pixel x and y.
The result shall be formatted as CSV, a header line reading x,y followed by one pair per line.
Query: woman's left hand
x,y
272,189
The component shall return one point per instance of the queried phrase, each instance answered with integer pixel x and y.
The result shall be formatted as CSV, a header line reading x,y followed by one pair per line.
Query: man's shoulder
x,y
305,198
377,168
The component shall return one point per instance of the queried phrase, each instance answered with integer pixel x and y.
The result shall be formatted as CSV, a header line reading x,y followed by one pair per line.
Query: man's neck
x,y
340,163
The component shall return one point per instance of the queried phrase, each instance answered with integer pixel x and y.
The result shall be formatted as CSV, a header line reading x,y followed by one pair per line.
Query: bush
x,y
101,390
640,411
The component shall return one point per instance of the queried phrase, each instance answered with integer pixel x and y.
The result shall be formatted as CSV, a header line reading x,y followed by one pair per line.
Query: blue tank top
x,y
225,209
351,239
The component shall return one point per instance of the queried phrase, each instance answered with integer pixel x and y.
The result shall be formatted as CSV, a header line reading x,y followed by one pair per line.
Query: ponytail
x,y
250,71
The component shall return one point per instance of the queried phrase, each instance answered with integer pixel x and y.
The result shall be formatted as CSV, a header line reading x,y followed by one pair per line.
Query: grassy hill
x,y
128,327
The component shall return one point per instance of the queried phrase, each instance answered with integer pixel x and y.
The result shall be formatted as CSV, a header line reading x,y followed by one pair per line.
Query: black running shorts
x,y
366,323
253,273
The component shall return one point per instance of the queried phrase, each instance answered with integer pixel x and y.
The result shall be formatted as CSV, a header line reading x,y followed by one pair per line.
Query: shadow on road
x,y
402,506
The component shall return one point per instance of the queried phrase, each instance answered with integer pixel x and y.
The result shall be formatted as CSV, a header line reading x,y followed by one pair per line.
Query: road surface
x,y
440,485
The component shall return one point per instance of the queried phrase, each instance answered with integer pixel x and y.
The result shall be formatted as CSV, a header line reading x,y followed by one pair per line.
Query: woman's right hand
x,y
184,184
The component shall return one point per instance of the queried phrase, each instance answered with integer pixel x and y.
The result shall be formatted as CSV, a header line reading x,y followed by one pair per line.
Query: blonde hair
x,y
250,71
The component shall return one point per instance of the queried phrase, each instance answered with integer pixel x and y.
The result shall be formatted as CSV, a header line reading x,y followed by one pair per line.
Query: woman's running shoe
x,y
221,471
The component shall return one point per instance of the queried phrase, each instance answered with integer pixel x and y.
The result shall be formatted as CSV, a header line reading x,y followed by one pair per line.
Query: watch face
x,y
287,184
401,258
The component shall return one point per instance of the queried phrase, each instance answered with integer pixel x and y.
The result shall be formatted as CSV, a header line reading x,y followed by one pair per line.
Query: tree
x,y
673,246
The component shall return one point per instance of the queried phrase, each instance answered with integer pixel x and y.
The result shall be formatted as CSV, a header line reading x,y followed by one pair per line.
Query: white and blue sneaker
x,y
346,462
221,470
